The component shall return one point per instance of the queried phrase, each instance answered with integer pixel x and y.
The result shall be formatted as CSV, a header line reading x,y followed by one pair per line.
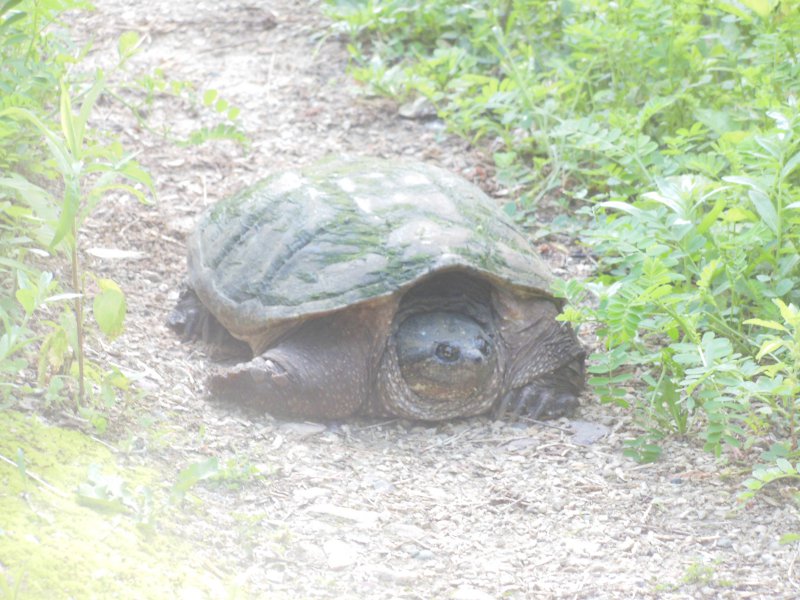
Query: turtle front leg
x,y
546,397
545,365
321,370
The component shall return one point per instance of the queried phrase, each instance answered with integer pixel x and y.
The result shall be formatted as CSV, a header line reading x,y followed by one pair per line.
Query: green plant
x,y
11,591
111,494
687,269
54,169
781,385
190,476
580,96
781,471
139,93
232,473
88,170
674,127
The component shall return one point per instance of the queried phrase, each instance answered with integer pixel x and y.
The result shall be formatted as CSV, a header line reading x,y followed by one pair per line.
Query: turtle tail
x,y
192,321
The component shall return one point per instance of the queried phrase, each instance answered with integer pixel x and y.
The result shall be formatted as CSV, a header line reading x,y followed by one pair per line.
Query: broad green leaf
x,y
736,214
750,182
623,206
8,5
194,473
103,492
57,148
69,209
27,298
718,121
656,292
39,200
12,19
765,209
209,96
761,7
133,171
109,308
753,484
790,166
70,126
789,312
88,105
711,216
127,44
768,324
769,347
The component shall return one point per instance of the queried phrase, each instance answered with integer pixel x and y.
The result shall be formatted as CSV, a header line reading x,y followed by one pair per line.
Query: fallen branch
x,y
35,477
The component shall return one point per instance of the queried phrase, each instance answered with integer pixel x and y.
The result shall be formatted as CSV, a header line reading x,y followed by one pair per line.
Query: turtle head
x,y
445,357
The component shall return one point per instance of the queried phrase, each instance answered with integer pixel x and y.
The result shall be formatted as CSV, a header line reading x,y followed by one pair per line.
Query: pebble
x,y
340,554
303,430
393,575
424,554
724,542
379,484
587,433
363,518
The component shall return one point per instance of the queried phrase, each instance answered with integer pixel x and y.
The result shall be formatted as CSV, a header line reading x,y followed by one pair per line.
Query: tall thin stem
x,y
76,286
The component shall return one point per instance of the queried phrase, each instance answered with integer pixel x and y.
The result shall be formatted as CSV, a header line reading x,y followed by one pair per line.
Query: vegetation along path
x,y
221,503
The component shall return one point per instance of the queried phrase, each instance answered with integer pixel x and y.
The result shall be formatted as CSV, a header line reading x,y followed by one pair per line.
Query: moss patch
x,y
54,547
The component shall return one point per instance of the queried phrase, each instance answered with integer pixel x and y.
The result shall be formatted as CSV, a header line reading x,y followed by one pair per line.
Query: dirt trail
x,y
468,510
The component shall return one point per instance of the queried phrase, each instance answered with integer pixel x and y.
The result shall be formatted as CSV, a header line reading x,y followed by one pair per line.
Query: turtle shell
x,y
346,232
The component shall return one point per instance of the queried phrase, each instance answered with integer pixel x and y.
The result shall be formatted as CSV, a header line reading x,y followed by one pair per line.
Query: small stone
x,y
419,108
303,430
745,549
379,484
363,518
309,494
587,433
339,554
424,554
393,575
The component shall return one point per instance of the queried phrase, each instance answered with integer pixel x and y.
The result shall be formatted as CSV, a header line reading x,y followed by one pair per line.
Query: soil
x,y
469,509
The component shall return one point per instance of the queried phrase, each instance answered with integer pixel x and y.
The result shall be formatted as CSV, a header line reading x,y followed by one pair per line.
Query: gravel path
x,y
468,510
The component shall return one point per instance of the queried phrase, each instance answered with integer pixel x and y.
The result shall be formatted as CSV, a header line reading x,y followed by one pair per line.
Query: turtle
x,y
377,287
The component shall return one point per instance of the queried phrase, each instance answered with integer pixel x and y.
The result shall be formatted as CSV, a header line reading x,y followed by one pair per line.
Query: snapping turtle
x,y
378,287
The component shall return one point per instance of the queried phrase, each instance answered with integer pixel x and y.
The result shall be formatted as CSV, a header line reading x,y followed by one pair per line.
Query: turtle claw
x,y
246,382
536,402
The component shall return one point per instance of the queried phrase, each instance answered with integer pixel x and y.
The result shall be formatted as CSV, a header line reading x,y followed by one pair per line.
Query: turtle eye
x,y
484,347
447,353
